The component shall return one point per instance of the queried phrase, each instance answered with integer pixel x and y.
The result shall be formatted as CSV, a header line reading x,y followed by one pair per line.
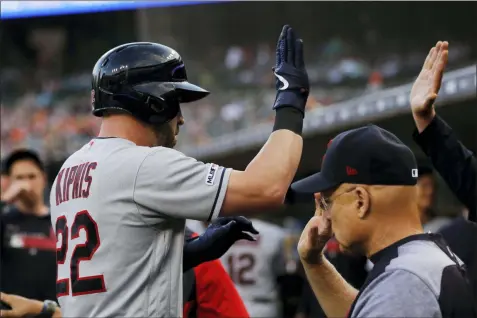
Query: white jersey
x,y
255,266
119,211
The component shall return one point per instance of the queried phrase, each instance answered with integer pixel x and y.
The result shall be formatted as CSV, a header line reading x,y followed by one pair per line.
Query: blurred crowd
x,y
55,119
45,76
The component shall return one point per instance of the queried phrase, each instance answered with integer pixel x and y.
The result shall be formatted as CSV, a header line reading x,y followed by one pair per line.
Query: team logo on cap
x,y
350,171
414,173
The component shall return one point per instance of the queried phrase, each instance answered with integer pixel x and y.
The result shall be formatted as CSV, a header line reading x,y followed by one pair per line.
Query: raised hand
x,y
291,77
426,87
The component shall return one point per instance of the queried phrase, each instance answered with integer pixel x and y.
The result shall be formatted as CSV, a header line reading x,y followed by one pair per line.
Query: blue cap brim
x,y
311,185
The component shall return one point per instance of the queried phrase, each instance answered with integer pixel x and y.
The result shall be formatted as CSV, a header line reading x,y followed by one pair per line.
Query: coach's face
x,y
347,208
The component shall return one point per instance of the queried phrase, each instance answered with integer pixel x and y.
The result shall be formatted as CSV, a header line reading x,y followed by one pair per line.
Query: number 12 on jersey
x,y
240,267
81,252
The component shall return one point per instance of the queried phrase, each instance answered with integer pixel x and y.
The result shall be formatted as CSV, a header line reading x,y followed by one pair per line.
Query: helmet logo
x,y
92,98
172,55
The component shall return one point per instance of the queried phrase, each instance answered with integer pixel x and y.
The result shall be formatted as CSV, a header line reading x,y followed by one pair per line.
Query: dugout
x,y
460,115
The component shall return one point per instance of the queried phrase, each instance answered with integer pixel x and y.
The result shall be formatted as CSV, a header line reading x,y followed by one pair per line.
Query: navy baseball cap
x,y
366,155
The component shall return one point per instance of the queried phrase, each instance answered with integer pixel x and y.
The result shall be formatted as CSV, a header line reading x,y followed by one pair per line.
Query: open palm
x,y
426,87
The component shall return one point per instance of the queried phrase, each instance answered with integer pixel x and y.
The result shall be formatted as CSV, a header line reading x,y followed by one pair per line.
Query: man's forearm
x,y
276,163
454,162
331,290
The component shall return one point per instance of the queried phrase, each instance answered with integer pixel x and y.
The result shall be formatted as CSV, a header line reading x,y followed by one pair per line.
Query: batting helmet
x,y
146,80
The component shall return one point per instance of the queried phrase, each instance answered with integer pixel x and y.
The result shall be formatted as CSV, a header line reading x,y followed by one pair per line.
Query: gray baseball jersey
x,y
254,267
119,212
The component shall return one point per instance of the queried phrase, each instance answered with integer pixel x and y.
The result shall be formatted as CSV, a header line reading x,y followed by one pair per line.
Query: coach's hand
x,y
219,236
426,87
291,77
314,237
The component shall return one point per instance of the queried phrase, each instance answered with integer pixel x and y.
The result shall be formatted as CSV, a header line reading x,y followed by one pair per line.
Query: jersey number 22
x,y
82,252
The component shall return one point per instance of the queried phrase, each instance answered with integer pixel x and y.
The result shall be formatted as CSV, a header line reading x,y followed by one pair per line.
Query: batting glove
x,y
291,77
219,236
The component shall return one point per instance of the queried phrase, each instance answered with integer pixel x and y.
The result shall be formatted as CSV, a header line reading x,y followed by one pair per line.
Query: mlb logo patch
x,y
211,173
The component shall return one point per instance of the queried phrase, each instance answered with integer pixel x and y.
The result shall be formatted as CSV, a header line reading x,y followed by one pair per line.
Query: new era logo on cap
x,y
351,171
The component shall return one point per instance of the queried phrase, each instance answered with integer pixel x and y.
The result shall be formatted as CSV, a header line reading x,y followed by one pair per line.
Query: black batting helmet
x,y
146,80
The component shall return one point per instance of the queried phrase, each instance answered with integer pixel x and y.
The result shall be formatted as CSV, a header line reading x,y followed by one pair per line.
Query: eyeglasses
x,y
326,203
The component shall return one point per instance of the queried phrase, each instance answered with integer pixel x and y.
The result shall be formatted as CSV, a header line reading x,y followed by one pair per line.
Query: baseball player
x,y
119,204
254,267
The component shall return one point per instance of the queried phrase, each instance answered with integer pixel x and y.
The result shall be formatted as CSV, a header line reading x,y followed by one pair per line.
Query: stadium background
x,y
361,58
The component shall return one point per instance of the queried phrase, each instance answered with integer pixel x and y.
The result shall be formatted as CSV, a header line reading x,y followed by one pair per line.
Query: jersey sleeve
x,y
170,184
455,163
397,293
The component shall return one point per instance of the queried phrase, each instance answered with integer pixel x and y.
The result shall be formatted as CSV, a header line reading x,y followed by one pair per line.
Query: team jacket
x,y
454,162
458,167
209,292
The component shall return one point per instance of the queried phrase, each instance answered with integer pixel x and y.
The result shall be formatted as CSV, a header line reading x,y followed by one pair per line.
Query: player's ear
x,y
362,202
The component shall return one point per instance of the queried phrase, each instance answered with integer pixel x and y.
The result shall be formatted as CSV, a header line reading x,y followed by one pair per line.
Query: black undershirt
x,y
28,255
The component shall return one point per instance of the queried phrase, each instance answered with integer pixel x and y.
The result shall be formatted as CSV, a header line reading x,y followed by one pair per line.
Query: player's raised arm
x,y
168,183
266,179
454,162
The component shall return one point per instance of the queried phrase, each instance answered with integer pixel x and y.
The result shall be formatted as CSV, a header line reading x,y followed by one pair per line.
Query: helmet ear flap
x,y
161,110
156,106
